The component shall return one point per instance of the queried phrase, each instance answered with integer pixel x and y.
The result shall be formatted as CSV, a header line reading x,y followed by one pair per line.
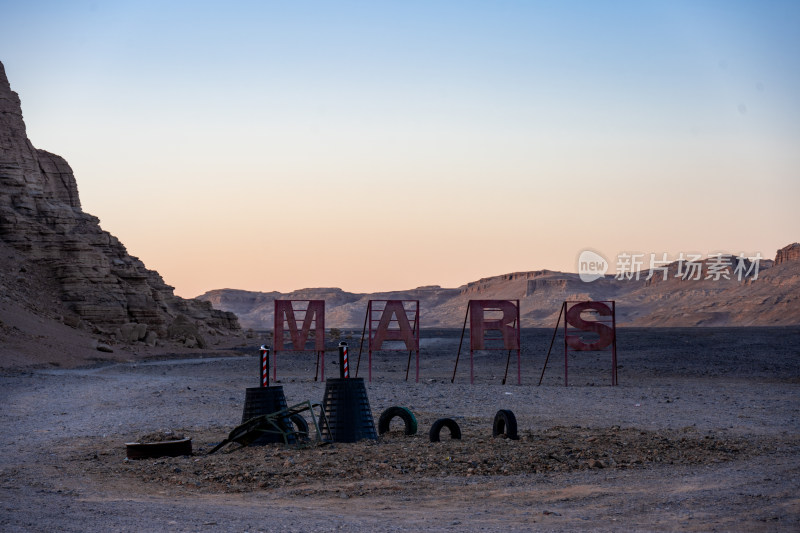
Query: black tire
x,y
151,450
405,414
505,423
300,424
449,423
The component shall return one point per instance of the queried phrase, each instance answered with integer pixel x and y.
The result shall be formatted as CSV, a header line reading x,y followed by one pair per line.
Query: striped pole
x,y
264,366
344,370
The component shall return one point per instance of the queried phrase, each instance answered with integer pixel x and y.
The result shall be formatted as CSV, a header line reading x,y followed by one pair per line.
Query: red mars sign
x,y
493,325
392,322
287,333
602,329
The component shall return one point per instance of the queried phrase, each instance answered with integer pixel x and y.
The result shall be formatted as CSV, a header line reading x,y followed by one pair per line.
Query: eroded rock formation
x,y
100,286
788,253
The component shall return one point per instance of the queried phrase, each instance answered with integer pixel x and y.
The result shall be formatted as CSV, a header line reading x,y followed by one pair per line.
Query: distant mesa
x,y
788,254
770,300
58,263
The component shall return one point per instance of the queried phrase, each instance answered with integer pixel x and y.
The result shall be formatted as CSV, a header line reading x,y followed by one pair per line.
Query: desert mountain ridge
x,y
69,289
768,299
67,286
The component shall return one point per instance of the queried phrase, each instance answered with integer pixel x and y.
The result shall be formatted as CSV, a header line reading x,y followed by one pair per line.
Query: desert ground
x,y
701,434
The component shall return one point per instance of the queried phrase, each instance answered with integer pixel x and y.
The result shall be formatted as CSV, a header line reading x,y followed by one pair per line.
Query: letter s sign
x,y
604,331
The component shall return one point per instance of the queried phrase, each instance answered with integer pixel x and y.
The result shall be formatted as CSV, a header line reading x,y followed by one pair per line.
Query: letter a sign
x,y
393,320
394,312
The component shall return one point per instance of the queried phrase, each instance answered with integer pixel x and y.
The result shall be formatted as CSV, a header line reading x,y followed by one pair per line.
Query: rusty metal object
x,y
286,332
508,326
606,333
274,423
552,341
605,328
380,317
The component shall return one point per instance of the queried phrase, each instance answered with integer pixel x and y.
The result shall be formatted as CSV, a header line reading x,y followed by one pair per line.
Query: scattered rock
x,y
185,330
594,463
161,436
151,338
72,321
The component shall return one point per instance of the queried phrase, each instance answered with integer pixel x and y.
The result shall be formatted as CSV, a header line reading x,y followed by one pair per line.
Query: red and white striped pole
x,y
264,365
344,370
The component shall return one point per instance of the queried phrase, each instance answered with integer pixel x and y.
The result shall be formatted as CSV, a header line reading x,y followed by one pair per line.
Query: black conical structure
x,y
346,407
264,401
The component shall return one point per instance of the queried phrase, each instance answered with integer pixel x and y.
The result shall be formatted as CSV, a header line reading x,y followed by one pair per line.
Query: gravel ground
x,y
701,434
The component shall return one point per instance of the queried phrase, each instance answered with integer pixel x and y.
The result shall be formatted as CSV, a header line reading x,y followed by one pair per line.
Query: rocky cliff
x,y
788,254
768,299
91,280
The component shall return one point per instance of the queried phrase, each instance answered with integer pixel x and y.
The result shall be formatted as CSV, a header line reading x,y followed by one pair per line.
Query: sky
x,y
374,146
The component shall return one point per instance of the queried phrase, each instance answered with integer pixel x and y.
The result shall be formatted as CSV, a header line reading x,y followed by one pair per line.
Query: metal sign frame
x,y
377,322
286,313
509,327
605,326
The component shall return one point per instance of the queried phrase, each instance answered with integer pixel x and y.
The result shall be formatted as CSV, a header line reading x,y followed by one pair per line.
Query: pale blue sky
x,y
241,144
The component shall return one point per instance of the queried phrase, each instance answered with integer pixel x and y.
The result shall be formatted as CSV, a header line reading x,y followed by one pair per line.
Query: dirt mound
x,y
396,456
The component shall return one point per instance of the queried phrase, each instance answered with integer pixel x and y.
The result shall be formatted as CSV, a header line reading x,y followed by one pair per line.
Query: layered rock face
x,y
101,286
768,299
788,253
